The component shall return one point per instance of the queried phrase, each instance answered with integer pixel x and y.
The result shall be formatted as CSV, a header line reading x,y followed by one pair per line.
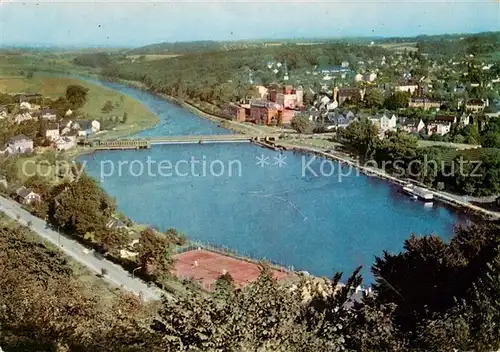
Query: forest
x,y
222,76
434,296
470,172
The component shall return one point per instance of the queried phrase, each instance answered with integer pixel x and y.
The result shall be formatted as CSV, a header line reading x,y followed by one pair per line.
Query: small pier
x,y
418,193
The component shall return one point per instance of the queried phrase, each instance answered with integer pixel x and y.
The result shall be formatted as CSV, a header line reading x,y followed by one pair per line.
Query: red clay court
x,y
206,266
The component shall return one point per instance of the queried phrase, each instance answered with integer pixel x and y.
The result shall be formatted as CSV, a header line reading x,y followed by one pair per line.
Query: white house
x,y
385,123
25,105
27,196
3,112
406,87
370,77
466,119
85,127
96,126
441,125
52,131
440,128
411,125
23,116
66,143
20,144
48,114
358,77
476,105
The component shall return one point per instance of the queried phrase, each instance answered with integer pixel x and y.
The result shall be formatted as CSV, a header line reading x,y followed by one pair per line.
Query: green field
x,y
151,57
400,46
139,117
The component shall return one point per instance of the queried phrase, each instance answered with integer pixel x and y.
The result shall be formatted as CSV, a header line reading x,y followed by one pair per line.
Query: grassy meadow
x,y
138,116
410,46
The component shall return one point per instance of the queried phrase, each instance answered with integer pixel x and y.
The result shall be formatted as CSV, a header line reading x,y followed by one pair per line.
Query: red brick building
x,y
263,112
237,112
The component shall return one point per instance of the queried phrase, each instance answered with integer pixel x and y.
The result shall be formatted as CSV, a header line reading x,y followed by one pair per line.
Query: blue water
x,y
174,119
320,224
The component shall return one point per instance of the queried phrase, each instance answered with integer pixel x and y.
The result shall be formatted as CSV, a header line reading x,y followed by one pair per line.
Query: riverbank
x,y
125,115
317,146
234,126
374,172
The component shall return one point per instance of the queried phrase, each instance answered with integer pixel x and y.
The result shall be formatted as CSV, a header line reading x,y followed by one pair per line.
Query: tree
x,y
398,100
446,273
374,98
43,307
224,286
76,95
361,137
108,107
80,207
471,134
154,254
491,139
279,122
302,124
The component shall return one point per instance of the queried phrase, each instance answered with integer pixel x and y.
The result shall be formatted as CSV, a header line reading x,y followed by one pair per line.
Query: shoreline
x,y
233,126
371,172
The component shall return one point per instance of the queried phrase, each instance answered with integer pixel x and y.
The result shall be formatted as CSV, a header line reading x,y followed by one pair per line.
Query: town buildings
x,y
20,144
48,114
23,116
352,94
27,196
409,125
86,128
341,119
52,131
385,123
406,87
424,103
263,111
475,105
66,142
441,125
237,112
370,77
3,112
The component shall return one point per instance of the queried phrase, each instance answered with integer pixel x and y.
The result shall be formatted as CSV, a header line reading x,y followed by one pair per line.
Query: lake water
x,y
278,209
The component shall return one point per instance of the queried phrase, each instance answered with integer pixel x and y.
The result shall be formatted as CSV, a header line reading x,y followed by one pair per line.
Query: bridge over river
x,y
145,143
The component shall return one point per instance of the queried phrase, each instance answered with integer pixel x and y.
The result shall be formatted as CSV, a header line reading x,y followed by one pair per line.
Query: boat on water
x,y
417,192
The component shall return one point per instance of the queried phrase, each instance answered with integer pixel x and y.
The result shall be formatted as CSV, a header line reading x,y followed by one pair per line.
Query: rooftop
x,y
445,118
52,126
23,192
84,124
19,138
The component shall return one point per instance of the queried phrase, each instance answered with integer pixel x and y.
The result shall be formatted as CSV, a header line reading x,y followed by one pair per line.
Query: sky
x,y
132,23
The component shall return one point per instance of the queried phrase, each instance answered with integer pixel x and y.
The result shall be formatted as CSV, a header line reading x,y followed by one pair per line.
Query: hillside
x,y
179,48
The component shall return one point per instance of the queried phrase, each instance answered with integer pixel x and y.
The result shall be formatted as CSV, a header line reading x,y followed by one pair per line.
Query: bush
x,y
302,124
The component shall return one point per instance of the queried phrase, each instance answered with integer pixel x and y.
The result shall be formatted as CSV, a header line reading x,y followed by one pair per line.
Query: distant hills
x,y
207,46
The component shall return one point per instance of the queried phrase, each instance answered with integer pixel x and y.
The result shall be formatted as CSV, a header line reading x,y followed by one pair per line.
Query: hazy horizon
x,y
131,24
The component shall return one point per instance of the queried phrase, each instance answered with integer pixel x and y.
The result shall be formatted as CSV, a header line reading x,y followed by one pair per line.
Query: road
x,y
116,275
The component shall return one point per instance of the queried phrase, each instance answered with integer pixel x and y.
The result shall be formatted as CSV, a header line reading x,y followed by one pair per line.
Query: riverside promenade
x,y
370,171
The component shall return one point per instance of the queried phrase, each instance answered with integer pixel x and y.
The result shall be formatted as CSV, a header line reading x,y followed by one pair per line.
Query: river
x,y
281,208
